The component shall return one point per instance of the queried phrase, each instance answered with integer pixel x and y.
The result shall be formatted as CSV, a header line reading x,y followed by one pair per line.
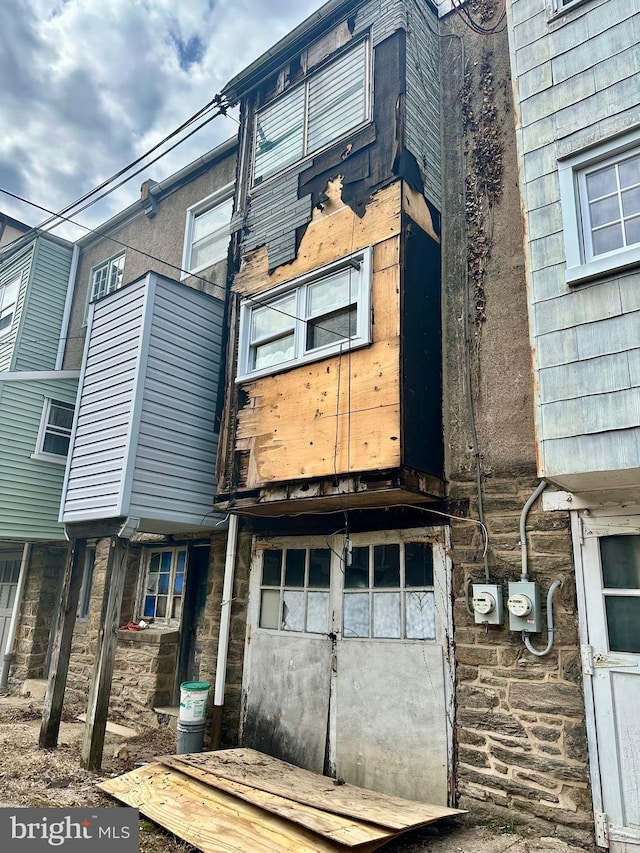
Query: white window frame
x,y
359,265
557,7
219,197
582,265
4,308
104,265
166,621
46,428
303,85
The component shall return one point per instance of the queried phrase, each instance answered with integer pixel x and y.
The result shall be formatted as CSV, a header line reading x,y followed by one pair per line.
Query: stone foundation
x,y
520,731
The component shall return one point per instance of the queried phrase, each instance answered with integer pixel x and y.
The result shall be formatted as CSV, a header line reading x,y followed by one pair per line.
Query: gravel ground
x,y
33,777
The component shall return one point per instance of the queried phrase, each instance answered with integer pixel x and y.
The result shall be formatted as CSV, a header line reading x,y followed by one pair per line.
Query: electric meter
x,y
519,605
524,606
487,603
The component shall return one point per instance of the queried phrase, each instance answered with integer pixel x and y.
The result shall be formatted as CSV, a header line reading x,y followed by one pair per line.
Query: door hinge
x,y
586,653
602,829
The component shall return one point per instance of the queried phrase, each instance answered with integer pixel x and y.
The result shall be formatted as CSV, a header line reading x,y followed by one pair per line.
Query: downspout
x,y
64,327
17,604
223,637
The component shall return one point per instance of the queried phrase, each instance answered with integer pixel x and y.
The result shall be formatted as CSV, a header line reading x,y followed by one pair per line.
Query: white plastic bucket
x,y
193,701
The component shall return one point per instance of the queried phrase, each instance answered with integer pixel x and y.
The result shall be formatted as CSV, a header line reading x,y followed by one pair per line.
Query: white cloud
x,y
90,86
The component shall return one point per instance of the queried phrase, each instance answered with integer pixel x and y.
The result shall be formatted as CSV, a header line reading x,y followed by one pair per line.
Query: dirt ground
x,y
33,777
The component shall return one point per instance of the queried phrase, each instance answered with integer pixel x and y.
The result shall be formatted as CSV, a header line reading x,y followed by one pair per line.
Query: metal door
x,y
346,671
611,566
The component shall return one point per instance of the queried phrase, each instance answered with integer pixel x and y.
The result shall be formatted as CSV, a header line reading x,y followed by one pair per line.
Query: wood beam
x,y
100,685
65,623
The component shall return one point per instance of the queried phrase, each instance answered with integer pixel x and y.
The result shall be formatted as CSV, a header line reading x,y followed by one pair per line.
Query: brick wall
x,y
520,734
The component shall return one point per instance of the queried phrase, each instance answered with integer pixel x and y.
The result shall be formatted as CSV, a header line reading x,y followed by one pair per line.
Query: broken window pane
x,y
356,614
271,565
319,567
293,611
386,565
386,614
270,608
294,567
318,612
418,564
420,616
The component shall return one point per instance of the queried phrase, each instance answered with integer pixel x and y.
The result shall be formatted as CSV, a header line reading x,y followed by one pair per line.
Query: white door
x,y
346,670
9,574
611,566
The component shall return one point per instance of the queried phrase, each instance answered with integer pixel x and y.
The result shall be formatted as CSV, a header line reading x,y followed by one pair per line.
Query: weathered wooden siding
x,y
577,84
103,421
19,265
144,442
176,440
29,488
41,320
295,424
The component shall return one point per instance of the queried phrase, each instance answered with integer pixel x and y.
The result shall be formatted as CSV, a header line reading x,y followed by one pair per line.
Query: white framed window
x,y
318,111
8,300
319,314
163,586
600,195
206,239
380,590
106,278
559,6
54,434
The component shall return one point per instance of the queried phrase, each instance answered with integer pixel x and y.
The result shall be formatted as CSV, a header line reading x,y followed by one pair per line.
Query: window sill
x,y
604,267
49,457
149,636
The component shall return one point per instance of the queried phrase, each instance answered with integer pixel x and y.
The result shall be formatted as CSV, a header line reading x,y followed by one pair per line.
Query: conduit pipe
x,y
550,629
66,314
542,485
17,604
225,625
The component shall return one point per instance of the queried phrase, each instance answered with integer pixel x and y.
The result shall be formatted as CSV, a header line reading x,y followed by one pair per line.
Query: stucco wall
x,y
161,236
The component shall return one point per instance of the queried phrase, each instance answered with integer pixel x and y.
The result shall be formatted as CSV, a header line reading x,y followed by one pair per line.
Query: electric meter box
x,y
523,604
487,604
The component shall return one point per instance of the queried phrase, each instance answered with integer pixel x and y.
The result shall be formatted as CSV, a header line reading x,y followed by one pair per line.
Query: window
x,y
600,194
558,6
307,319
106,278
330,102
387,590
55,431
8,299
163,586
207,231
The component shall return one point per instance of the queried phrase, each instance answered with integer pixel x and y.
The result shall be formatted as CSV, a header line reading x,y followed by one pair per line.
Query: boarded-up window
x,y
317,112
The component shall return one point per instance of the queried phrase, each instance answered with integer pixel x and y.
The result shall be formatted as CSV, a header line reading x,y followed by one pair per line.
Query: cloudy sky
x,y
90,85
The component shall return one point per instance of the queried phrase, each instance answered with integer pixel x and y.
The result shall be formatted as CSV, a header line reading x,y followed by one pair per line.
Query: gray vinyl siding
x,y
577,78
41,320
103,421
174,473
423,97
18,265
145,439
29,508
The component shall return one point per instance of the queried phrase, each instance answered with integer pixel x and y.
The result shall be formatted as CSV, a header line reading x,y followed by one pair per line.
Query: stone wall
x,y
39,608
520,732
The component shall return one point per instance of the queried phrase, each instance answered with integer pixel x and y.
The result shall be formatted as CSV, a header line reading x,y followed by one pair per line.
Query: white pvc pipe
x,y
225,611
542,485
17,604
550,627
64,328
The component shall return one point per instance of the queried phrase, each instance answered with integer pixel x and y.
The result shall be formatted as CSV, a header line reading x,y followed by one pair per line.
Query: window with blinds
x,y
320,110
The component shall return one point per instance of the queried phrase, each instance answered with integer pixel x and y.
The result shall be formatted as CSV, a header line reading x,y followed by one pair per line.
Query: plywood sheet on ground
x,y
242,800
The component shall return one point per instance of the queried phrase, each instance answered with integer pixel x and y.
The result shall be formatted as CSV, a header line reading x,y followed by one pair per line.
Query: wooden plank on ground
x,y
211,819
346,831
257,770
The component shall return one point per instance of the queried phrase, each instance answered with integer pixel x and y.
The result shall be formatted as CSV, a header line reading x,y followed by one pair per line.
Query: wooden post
x,y
100,686
54,697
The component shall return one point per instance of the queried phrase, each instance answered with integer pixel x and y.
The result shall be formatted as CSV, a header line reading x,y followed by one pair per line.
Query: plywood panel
x,y
337,415
332,234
